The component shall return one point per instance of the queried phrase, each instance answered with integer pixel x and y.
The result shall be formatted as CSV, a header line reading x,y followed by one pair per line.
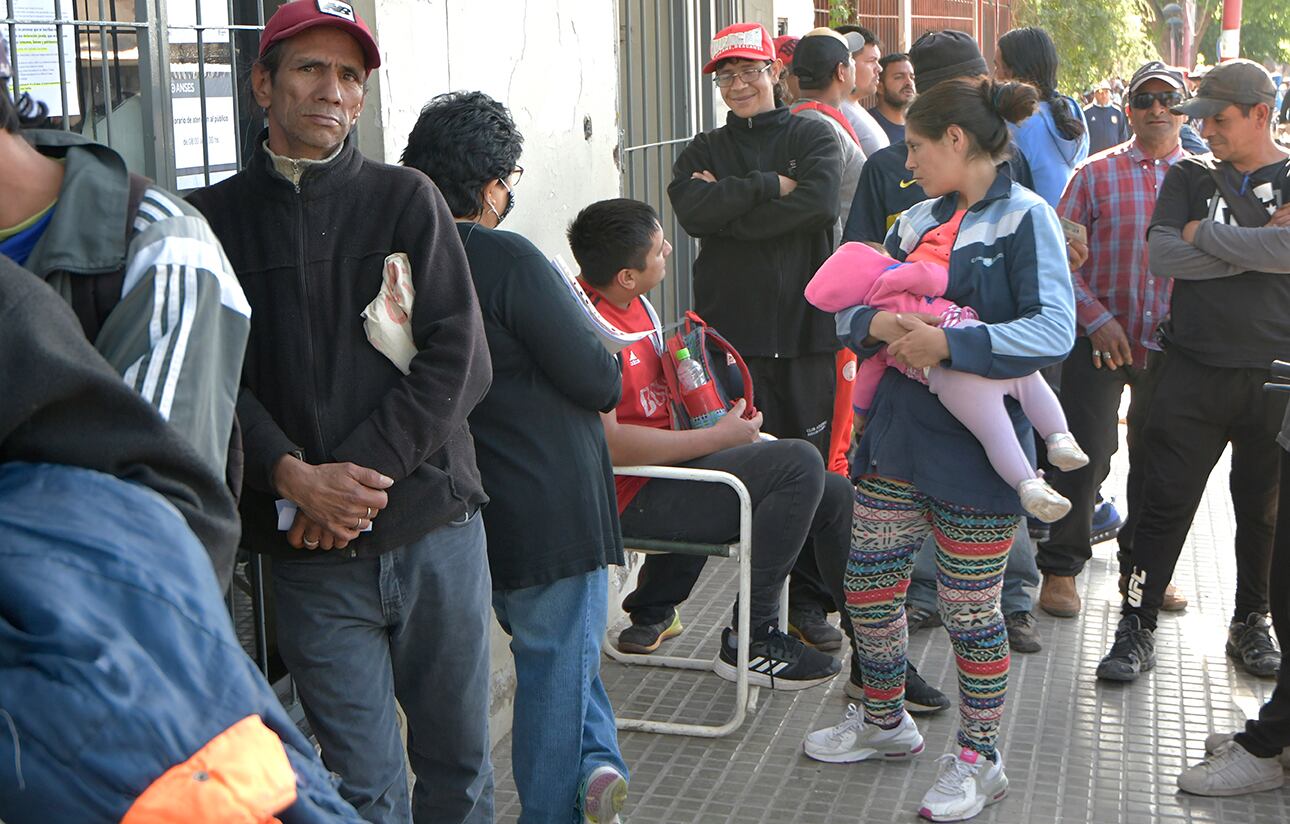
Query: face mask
x,y
510,203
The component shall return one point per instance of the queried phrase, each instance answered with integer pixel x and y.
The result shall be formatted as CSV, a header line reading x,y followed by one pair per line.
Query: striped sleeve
x,y
179,332
1043,331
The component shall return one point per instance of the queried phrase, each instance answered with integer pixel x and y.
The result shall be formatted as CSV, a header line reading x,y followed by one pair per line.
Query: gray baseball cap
x,y
1236,81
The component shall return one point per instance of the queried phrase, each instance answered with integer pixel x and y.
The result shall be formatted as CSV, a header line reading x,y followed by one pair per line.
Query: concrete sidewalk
x,y
1075,750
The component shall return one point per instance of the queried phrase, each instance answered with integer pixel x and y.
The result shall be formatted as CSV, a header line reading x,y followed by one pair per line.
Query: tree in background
x,y
1265,35
1095,40
841,12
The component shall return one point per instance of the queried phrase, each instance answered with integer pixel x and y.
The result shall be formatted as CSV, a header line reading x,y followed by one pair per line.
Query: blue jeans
x,y
412,625
1021,571
564,726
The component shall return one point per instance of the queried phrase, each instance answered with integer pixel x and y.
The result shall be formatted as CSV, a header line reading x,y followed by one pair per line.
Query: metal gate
x,y
164,82
664,101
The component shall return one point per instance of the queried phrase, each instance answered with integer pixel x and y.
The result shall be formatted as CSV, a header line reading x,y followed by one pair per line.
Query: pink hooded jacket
x,y
859,275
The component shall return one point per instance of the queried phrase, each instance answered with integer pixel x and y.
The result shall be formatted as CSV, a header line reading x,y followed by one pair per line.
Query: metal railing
x,y
157,80
664,102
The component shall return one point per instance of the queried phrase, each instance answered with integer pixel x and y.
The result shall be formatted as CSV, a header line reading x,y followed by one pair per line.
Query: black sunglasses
x,y
1143,100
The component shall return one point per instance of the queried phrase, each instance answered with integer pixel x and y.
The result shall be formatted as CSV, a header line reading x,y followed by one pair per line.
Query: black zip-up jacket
x,y
759,250
310,258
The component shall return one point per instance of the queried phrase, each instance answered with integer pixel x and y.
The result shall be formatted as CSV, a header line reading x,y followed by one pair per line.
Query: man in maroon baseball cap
x,y
361,480
301,15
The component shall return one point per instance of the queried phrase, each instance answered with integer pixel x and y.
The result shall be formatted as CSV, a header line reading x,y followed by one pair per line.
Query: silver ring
x,y
309,543
1097,354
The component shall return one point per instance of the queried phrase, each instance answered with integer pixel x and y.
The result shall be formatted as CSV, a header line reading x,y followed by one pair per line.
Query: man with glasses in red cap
x,y
762,193
361,481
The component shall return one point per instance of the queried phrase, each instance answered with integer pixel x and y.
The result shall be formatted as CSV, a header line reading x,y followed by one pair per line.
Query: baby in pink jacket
x,y
858,275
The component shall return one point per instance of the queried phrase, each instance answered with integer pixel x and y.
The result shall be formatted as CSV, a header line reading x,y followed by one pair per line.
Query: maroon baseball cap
x,y
292,18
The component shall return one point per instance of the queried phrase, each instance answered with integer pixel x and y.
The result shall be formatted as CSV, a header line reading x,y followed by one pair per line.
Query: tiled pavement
x,y
1075,750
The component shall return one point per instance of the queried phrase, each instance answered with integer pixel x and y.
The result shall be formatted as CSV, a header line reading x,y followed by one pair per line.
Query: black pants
x,y
1196,411
795,396
792,497
1091,400
1270,734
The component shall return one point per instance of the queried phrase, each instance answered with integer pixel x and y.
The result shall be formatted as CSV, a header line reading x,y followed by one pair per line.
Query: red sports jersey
x,y
644,400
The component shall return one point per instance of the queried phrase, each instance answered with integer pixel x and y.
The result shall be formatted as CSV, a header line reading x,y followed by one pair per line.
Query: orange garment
x,y
843,414
937,244
241,776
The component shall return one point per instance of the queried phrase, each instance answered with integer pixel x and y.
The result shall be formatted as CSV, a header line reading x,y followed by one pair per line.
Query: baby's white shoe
x,y
1042,501
1064,453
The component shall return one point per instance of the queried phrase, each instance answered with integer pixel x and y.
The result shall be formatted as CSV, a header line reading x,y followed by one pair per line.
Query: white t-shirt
x,y
872,137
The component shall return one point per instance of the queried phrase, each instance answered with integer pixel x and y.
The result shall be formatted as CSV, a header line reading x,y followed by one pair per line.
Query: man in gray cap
x,y
1221,231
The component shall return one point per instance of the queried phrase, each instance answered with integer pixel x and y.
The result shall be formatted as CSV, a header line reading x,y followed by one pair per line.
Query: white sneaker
x,y
1231,770
1216,739
966,785
1042,501
854,740
1064,452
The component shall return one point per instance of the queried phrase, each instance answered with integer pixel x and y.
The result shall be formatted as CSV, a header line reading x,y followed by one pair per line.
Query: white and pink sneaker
x,y
966,784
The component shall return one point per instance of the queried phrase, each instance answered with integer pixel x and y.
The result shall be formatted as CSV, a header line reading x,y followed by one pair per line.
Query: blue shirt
x,y
17,247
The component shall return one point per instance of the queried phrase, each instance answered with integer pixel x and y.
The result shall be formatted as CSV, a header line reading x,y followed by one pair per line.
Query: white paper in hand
x,y
387,320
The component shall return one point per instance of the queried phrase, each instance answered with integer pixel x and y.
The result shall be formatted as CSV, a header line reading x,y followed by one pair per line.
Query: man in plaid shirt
x,y
1118,305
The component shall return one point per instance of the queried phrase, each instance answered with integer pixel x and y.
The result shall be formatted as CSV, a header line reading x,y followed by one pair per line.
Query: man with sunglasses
x,y
1221,232
1119,305
361,481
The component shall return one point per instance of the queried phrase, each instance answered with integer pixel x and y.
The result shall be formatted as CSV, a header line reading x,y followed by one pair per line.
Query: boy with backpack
x,y
622,254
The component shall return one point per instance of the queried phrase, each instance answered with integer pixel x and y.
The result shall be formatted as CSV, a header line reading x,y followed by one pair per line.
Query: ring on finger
x,y
358,524
309,543
369,514
1097,354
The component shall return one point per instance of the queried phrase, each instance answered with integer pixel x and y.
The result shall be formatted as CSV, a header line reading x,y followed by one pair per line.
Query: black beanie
x,y
944,55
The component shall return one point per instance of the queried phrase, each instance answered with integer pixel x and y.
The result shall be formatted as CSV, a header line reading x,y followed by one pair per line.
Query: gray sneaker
x,y
1023,632
920,618
1231,770
1251,647
810,625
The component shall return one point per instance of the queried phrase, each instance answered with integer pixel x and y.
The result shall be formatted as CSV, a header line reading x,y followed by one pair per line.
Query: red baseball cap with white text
x,y
745,41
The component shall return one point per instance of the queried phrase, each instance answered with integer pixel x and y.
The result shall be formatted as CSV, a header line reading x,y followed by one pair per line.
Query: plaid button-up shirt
x,y
1113,194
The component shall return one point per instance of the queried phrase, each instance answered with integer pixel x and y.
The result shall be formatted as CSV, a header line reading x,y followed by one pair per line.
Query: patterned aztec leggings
x,y
892,518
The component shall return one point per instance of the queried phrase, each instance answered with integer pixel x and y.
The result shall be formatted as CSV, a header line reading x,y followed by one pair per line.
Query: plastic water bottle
x,y
698,395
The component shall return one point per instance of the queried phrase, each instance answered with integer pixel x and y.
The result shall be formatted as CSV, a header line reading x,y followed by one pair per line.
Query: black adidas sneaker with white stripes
x,y
777,661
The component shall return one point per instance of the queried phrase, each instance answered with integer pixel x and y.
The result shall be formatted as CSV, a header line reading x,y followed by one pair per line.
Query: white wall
x,y
553,63
799,13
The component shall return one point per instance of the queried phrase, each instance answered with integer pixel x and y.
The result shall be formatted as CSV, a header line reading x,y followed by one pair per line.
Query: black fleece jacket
x,y
64,404
310,258
759,250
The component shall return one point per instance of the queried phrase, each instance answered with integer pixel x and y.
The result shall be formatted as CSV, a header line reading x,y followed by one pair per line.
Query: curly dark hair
x,y
1031,56
463,141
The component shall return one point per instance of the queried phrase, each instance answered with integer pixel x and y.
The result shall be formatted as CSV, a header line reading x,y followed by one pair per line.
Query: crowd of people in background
x,y
322,358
